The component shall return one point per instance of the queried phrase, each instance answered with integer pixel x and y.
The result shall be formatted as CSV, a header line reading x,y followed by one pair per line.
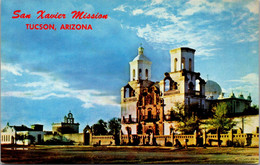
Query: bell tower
x,y
182,58
140,67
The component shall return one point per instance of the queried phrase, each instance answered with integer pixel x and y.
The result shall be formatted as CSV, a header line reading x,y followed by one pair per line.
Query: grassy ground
x,y
120,154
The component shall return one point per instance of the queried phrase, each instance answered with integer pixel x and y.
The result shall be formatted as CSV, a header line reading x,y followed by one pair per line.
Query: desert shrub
x,y
59,141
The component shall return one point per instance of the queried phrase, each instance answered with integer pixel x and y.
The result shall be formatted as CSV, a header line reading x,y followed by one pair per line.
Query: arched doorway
x,y
129,130
86,134
149,131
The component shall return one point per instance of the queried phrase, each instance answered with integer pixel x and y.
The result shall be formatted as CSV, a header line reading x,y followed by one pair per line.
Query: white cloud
x,y
34,94
137,11
248,84
155,2
120,8
88,7
161,13
195,6
14,69
230,0
166,36
245,28
49,86
251,78
253,7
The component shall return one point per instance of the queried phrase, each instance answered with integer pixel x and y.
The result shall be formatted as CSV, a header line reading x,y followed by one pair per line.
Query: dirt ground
x,y
126,155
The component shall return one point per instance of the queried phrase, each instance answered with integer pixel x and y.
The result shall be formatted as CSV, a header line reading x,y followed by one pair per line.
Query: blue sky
x,y
44,74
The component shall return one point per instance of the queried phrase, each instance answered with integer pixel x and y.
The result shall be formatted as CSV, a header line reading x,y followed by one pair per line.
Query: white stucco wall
x,y
167,125
179,54
248,122
143,65
128,109
170,101
132,126
6,137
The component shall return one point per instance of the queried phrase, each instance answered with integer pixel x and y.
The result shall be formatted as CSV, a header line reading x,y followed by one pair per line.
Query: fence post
x,y
230,136
90,138
120,137
204,136
172,138
195,138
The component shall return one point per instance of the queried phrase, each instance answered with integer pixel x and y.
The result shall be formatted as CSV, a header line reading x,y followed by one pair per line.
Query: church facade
x,y
147,106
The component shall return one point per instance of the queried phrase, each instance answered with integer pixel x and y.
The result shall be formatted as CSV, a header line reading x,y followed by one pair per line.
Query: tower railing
x,y
170,92
129,120
130,99
150,118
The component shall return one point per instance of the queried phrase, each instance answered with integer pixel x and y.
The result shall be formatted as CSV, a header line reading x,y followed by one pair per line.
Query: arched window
x,y
132,93
190,64
127,92
149,113
133,74
197,85
191,86
146,74
70,115
129,130
167,85
175,64
183,63
140,73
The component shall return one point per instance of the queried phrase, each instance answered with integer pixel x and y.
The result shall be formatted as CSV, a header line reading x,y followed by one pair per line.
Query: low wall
x,y
240,139
255,140
103,140
212,139
191,139
163,140
78,138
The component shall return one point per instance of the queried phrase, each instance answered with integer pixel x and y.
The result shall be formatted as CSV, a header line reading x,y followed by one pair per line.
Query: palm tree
x,y
220,121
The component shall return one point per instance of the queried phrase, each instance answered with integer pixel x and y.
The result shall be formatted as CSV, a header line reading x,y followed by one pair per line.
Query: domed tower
x,y
137,94
140,67
212,89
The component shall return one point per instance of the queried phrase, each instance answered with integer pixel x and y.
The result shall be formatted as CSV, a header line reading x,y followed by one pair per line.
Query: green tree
x,y
253,110
24,137
180,109
114,126
65,129
21,137
31,138
220,121
100,128
189,124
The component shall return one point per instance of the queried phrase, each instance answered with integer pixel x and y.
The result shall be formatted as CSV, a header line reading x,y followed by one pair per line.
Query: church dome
x,y
212,89
141,57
